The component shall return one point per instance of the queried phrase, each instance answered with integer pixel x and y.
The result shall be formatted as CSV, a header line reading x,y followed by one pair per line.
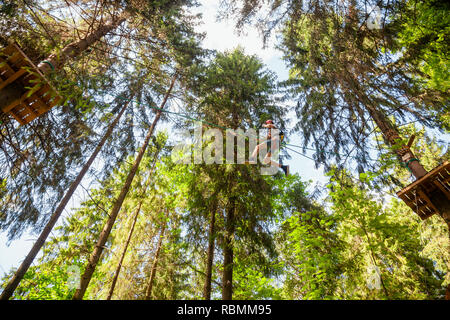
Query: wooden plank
x,y
443,177
56,100
412,201
420,181
5,70
22,111
29,118
44,94
13,78
41,107
9,49
33,114
425,216
20,100
30,103
15,59
426,207
420,204
31,80
17,118
35,107
53,100
442,188
425,197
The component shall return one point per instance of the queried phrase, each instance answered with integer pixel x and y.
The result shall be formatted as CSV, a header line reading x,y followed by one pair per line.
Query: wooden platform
x,y
419,194
25,93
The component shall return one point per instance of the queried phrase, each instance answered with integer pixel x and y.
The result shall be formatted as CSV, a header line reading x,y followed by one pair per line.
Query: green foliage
x,y
281,240
235,90
252,284
9,8
308,246
40,159
44,283
387,240
423,37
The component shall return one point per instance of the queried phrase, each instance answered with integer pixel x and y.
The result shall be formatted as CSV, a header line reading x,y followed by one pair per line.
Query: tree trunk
x,y
14,282
95,256
57,60
210,256
227,277
119,266
405,155
148,292
72,50
391,137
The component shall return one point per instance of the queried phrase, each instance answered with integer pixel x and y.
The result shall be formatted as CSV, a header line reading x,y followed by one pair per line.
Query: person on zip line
x,y
270,141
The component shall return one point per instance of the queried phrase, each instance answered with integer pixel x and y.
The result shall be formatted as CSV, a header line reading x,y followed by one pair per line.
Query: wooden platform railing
x,y
419,195
25,93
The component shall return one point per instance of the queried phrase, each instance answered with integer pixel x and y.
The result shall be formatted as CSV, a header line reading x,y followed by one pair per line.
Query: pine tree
x,y
234,91
95,256
14,282
127,242
37,160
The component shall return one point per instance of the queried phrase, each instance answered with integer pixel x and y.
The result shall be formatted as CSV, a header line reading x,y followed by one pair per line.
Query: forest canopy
x,y
147,166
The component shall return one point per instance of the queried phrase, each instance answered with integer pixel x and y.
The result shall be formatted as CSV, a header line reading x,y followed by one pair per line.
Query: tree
x,y
127,242
347,83
422,34
148,291
210,252
95,256
382,247
37,160
234,91
75,239
343,76
14,282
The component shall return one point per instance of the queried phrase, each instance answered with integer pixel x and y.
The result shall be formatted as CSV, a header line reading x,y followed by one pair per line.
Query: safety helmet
x,y
269,122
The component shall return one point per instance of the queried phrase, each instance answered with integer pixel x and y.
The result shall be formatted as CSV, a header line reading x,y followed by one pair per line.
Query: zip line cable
x,y
301,154
330,152
222,127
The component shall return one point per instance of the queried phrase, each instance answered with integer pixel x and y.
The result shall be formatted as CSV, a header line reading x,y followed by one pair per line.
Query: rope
x,y
50,64
406,164
174,113
301,154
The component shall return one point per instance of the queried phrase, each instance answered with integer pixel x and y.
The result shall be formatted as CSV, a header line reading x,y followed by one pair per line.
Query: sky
x,y
220,36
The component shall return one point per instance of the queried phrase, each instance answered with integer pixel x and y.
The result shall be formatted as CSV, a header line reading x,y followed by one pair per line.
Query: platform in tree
x,y
25,93
427,195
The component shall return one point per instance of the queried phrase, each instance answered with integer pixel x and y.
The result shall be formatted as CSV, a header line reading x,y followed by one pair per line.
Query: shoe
x,y
251,161
286,170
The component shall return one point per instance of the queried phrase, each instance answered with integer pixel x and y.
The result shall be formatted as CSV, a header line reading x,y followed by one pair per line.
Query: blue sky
x,y
220,36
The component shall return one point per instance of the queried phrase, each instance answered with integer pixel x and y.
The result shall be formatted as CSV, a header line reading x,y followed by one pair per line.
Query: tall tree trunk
x,y
95,256
210,255
119,266
72,50
404,153
14,282
392,137
227,277
148,292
